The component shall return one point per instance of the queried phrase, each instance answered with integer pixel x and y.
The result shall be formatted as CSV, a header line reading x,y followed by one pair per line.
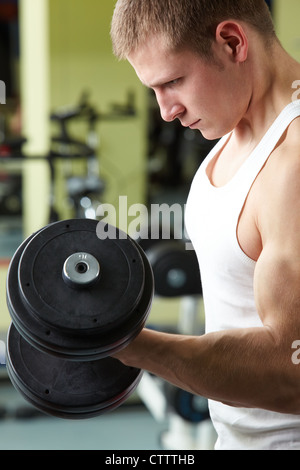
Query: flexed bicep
x,y
277,293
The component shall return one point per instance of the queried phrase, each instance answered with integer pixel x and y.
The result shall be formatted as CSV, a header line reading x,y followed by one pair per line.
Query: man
x,y
217,66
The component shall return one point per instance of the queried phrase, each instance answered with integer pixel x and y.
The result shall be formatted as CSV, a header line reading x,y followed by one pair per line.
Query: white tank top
x,y
212,216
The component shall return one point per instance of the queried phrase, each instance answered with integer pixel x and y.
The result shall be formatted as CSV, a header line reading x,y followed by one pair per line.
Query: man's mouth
x,y
194,124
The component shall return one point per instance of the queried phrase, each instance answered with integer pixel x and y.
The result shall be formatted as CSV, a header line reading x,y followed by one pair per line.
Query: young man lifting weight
x,y
217,66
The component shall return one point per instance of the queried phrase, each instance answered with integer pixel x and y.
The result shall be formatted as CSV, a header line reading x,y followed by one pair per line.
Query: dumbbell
x,y
175,269
75,300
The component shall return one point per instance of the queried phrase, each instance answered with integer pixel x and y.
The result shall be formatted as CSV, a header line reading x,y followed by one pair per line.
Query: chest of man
x,y
220,171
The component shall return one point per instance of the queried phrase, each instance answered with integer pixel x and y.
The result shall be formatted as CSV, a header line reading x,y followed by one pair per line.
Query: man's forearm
x,y
237,367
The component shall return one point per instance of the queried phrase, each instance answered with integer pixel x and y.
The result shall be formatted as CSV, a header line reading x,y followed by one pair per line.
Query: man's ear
x,y
232,37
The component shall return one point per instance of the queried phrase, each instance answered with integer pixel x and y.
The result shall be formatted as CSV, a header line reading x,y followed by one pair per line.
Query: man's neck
x,y
273,74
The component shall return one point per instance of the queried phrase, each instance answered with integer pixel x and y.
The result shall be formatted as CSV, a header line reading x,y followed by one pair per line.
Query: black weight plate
x,y
53,302
80,324
172,257
67,389
16,309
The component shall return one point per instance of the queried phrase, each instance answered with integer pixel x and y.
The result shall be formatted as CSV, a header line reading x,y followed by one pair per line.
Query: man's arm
x,y
246,367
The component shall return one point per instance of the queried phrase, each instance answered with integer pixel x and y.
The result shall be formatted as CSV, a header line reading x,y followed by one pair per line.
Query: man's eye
x,y
173,82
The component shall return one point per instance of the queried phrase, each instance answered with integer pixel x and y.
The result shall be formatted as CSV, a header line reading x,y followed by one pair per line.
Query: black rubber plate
x,y
85,324
67,389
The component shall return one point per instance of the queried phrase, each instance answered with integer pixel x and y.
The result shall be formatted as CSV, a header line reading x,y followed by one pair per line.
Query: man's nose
x,y
170,113
168,109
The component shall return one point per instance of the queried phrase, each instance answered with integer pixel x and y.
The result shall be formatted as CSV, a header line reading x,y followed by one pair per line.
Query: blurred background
x,y
77,130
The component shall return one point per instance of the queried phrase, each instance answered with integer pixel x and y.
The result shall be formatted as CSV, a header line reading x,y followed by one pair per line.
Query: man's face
x,y
206,96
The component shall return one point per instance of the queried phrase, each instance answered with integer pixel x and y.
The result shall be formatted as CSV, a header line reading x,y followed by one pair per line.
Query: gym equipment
x,y
75,300
190,407
175,269
84,191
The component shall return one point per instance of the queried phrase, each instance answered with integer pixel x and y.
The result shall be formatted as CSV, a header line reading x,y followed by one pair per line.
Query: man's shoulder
x,y
286,155
277,188
290,141
281,175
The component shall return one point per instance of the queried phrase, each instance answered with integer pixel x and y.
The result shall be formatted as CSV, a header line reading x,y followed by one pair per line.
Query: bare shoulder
x,y
283,166
279,186
287,152
293,132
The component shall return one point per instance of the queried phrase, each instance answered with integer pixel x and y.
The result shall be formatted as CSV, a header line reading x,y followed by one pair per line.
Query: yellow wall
x,y
34,82
81,59
65,50
287,14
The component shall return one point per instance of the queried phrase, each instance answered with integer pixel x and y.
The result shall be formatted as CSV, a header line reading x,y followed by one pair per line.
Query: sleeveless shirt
x,y
212,215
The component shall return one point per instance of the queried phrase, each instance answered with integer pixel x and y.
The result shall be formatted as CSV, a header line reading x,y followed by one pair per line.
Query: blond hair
x,y
184,23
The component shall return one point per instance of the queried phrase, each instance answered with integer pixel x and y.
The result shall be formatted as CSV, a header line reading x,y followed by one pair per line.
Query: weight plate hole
x,y
95,320
81,267
47,391
48,333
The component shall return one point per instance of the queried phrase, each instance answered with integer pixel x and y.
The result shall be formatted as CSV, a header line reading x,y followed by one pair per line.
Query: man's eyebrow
x,y
159,83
